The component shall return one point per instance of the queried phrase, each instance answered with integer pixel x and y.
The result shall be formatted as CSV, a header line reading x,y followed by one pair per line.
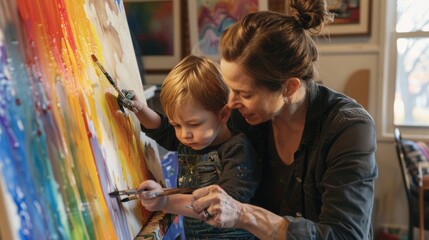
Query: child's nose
x,y
186,133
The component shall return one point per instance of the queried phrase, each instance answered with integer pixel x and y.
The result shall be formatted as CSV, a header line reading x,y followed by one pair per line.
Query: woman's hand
x,y
131,101
216,207
151,203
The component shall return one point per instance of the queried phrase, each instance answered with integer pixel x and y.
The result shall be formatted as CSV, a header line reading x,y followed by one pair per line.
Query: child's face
x,y
197,127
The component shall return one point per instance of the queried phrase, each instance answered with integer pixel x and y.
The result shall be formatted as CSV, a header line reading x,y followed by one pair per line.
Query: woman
x,y
317,146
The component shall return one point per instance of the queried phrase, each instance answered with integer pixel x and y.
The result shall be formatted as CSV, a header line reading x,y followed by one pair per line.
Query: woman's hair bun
x,y
310,14
305,20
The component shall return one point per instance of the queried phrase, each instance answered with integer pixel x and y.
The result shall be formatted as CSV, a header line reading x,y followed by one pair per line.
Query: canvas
x,y
64,144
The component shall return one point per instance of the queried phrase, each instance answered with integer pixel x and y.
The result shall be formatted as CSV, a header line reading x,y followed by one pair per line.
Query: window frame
x,y
388,67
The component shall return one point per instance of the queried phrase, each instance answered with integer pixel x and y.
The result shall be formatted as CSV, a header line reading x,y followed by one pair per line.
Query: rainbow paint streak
x,y
63,146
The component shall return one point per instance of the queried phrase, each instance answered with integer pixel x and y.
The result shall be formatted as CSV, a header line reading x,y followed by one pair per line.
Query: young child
x,y
193,98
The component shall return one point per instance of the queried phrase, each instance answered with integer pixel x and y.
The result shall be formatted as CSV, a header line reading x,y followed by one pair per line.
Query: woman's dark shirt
x,y
329,189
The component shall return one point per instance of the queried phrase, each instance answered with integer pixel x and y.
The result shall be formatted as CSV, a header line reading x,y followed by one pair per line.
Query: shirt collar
x,y
313,115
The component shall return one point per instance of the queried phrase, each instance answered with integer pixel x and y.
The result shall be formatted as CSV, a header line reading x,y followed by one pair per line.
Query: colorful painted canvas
x,y
64,144
352,18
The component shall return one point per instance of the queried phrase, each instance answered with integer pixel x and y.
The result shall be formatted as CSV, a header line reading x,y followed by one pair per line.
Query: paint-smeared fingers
x,y
206,197
148,185
205,191
130,101
121,101
129,94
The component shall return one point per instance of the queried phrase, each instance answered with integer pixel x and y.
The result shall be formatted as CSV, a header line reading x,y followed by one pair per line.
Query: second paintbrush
x,y
107,75
131,193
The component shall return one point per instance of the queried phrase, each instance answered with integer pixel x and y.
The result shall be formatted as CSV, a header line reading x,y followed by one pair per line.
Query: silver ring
x,y
206,213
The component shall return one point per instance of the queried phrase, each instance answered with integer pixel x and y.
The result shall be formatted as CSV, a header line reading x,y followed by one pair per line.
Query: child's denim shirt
x,y
199,170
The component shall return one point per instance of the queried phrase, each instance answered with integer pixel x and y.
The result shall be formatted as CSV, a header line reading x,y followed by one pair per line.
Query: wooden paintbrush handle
x,y
169,191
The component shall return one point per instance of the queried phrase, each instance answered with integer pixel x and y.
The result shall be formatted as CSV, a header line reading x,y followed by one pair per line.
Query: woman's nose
x,y
233,101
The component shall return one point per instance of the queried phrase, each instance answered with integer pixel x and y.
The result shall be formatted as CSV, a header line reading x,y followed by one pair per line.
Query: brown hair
x,y
197,78
272,47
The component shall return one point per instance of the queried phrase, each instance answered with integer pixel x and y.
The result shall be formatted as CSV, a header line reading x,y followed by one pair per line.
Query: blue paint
x,y
23,153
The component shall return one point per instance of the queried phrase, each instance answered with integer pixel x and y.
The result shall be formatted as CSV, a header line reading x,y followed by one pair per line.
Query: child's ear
x,y
225,113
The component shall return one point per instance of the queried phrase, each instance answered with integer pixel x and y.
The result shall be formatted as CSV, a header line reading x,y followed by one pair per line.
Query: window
x,y
409,38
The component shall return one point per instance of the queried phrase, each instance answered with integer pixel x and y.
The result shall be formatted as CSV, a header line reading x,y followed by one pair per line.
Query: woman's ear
x,y
225,113
290,86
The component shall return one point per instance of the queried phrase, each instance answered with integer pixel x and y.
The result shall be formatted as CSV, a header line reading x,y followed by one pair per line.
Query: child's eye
x,y
195,124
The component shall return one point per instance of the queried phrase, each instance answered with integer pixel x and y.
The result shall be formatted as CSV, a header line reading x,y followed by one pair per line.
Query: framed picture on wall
x,y
156,33
352,18
208,19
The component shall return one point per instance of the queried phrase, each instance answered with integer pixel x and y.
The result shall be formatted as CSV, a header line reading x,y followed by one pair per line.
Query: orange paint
x,y
60,38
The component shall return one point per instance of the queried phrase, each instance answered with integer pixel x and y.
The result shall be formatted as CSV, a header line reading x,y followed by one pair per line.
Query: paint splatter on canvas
x,y
63,144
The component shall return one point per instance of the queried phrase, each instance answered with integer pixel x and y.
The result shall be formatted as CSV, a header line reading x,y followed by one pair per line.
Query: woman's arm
x,y
262,223
228,212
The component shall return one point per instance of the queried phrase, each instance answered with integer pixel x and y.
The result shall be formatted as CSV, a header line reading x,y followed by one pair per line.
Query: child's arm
x,y
180,204
176,204
147,117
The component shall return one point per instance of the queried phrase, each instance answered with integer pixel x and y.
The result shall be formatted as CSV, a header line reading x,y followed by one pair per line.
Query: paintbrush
x,y
126,199
94,58
150,194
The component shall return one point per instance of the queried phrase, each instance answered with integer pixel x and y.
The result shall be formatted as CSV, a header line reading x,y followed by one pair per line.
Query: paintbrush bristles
x,y
94,58
129,199
115,193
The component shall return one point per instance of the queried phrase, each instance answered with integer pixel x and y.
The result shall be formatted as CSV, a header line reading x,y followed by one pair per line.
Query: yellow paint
x,y
63,47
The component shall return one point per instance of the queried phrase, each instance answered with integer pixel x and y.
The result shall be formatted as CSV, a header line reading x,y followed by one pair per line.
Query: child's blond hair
x,y
195,78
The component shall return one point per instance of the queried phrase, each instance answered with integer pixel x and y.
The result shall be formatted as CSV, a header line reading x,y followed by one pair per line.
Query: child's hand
x,y
152,203
130,100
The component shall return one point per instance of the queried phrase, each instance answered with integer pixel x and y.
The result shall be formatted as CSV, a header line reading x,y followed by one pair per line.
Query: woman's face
x,y
257,104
